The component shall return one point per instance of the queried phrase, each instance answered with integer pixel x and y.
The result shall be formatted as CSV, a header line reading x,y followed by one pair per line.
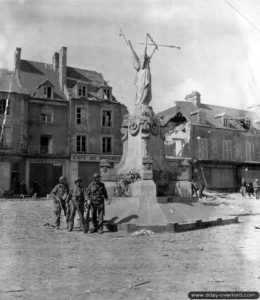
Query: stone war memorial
x,y
159,196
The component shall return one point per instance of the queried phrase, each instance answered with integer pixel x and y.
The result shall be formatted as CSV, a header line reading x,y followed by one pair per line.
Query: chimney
x,y
63,67
194,97
55,61
17,63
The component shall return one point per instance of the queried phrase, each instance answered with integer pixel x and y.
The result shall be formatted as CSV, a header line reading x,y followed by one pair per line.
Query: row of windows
x,y
81,144
46,144
81,116
82,92
227,150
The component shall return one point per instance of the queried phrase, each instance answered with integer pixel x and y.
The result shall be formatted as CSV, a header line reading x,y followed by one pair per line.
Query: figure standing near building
x,y
243,187
59,194
250,189
96,195
36,189
76,204
143,80
256,188
23,190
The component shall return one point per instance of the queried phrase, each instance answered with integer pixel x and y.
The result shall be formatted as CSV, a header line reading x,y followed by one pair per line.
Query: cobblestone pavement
x,y
39,262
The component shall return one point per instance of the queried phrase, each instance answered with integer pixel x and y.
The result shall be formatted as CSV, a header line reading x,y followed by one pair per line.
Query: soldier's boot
x,y
100,230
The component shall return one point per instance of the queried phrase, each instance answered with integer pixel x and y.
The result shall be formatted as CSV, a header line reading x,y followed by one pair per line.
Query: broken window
x,y
47,92
3,107
81,115
106,118
107,94
81,90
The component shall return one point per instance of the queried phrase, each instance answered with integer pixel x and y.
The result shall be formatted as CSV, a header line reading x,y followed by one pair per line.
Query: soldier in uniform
x,y
96,194
59,195
76,203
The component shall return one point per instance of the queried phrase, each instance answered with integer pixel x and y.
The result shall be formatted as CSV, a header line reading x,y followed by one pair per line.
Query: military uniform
x,y
76,203
96,193
59,195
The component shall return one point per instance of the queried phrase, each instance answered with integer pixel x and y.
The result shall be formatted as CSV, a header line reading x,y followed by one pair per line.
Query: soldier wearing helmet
x,y
59,195
76,203
96,194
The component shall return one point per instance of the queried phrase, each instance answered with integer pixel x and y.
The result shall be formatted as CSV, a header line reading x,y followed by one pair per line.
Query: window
x,y
227,150
3,107
46,115
107,145
107,94
225,122
47,92
250,151
202,148
7,137
46,144
81,115
81,90
81,143
106,118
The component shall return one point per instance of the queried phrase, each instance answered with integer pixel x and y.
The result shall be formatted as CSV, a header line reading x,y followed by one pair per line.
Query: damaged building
x,y
60,120
224,142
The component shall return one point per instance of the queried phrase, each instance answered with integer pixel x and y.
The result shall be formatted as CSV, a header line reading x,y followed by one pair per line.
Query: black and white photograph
x,y
129,149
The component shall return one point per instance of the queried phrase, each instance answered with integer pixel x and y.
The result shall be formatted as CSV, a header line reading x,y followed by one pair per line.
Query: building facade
x,y
223,142
61,121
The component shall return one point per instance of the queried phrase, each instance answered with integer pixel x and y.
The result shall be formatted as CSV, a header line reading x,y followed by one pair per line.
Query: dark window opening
x,y
106,145
81,143
82,90
45,144
47,91
107,94
3,107
106,118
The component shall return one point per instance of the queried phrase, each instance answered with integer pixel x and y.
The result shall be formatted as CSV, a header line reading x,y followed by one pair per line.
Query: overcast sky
x,y
219,56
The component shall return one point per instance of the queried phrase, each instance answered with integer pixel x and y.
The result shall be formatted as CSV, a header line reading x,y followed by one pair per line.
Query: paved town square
x,y
40,262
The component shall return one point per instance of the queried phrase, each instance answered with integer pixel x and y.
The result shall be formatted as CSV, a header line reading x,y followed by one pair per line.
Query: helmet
x,y
78,179
62,179
96,176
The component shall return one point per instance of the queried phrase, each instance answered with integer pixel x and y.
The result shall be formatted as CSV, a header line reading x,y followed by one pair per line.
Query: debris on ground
x,y
217,280
133,287
48,224
143,232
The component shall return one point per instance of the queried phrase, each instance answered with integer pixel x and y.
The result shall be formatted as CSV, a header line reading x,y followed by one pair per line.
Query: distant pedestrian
x,y
243,187
96,194
59,195
194,188
256,188
250,189
23,190
76,204
36,189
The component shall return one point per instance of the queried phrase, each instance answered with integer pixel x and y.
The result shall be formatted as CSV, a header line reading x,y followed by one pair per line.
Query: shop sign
x,y
47,161
96,158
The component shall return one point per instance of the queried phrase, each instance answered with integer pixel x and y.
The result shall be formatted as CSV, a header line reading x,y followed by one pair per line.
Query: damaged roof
x,y
34,74
7,78
213,114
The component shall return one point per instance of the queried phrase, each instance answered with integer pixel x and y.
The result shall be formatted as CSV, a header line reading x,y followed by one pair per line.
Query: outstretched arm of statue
x,y
148,36
135,57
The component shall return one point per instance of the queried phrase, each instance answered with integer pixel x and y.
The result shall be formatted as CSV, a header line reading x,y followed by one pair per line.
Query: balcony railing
x,y
46,151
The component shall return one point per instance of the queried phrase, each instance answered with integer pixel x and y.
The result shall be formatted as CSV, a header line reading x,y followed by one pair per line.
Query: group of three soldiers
x,y
77,200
